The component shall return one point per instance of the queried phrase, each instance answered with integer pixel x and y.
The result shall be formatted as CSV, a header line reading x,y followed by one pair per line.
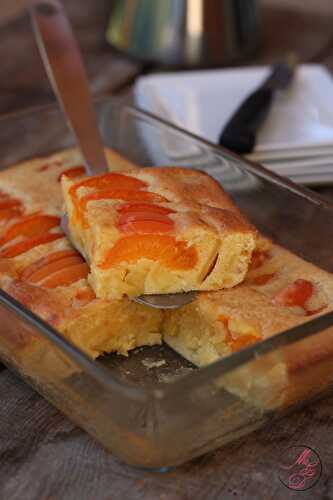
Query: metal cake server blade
x,y
63,63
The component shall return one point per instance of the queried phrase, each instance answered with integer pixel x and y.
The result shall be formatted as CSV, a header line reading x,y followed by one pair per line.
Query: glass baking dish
x,y
153,408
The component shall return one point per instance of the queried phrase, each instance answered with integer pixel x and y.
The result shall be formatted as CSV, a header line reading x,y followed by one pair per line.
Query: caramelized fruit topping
x,y
108,181
235,344
30,226
23,246
120,194
7,214
43,262
297,294
128,208
263,279
145,218
57,269
65,276
258,259
9,203
73,172
166,249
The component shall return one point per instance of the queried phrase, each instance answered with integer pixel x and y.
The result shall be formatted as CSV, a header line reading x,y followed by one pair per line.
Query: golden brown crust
x,y
201,331
202,219
37,181
71,309
195,191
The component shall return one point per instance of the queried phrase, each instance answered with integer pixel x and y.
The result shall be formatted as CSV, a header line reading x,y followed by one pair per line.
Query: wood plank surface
x,y
43,456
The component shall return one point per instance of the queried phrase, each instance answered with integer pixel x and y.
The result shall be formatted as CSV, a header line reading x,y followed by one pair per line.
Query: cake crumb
x,y
167,378
153,364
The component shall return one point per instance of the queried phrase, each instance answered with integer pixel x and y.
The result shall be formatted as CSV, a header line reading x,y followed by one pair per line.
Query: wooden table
x,y
42,454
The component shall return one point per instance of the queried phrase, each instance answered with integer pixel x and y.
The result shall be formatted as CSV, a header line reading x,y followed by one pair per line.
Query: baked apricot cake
x,y
281,291
157,230
41,269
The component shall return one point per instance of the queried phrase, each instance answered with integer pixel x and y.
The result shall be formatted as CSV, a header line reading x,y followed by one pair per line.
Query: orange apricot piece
x,y
120,194
166,249
66,276
147,224
55,266
25,245
295,294
112,180
263,279
243,341
7,214
30,226
240,342
129,208
258,258
9,203
83,297
45,261
73,172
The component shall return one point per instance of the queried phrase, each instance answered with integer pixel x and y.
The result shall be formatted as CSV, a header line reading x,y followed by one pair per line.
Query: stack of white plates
x,y
295,141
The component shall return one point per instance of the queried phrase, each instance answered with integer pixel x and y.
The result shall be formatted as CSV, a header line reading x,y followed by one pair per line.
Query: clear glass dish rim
x,y
204,374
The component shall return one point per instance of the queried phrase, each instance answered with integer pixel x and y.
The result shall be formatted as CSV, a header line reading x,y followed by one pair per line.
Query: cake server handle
x,y
62,60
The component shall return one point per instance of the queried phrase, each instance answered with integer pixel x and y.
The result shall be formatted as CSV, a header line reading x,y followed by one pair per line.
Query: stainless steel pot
x,y
185,32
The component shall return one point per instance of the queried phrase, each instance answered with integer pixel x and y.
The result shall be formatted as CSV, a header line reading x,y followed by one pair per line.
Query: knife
x,y
62,60
239,135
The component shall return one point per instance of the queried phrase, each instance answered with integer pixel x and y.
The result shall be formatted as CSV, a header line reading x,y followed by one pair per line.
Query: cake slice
x,y
40,268
157,230
281,291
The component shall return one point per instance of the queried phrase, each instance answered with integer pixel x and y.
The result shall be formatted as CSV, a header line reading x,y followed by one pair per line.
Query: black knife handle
x,y
240,133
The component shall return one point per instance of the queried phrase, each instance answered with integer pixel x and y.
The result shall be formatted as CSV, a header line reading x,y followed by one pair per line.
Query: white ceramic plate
x,y
300,123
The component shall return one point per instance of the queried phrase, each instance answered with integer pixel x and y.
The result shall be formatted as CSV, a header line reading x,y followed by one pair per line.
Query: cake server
x,y
62,59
